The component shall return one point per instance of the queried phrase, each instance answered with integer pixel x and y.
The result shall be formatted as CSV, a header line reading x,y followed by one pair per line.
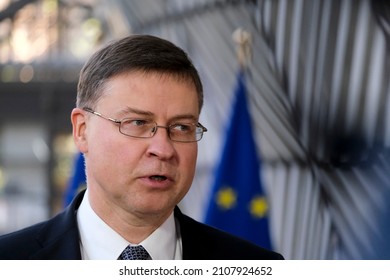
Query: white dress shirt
x,y
100,242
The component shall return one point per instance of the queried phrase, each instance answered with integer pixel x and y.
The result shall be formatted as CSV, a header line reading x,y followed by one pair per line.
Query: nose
x,y
154,129
160,145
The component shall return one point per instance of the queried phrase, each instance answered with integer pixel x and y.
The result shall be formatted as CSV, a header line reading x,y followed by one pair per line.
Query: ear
x,y
79,124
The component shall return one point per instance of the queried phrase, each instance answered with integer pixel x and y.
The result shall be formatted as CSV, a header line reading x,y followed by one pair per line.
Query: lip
x,y
156,181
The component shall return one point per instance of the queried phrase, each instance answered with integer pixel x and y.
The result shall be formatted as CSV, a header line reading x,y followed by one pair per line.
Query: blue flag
x,y
238,204
77,180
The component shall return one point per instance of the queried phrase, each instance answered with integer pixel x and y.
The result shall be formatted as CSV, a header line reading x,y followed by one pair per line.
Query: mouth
x,y
158,178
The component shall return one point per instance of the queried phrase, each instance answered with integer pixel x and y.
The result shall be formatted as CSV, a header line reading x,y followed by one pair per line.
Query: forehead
x,y
152,91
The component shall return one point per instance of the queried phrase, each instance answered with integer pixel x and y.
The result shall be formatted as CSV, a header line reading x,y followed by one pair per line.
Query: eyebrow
x,y
130,110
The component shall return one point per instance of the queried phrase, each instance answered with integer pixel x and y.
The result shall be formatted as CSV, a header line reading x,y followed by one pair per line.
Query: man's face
x,y
140,176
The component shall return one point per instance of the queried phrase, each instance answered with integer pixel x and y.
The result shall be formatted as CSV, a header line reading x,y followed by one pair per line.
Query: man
x,y
136,122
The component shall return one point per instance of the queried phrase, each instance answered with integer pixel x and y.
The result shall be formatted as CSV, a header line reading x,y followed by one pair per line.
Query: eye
x,y
182,127
135,122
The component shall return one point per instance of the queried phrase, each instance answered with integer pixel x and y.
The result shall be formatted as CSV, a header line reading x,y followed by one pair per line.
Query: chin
x,y
155,208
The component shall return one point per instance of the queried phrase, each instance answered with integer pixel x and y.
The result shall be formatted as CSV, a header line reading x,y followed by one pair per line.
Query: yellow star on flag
x,y
226,198
258,207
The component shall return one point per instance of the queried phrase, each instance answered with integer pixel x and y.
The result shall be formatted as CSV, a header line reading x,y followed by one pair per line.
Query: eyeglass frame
x,y
154,129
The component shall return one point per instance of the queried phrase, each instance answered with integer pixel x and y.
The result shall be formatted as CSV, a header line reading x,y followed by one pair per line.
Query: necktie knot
x,y
134,253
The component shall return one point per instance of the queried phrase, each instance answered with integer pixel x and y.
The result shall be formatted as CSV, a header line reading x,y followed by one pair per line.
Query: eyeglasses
x,y
140,128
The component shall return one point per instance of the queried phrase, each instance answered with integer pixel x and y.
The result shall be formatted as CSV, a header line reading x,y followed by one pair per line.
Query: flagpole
x,y
237,201
243,39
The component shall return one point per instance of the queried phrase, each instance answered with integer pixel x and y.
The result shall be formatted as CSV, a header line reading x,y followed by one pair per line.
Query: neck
x,y
132,226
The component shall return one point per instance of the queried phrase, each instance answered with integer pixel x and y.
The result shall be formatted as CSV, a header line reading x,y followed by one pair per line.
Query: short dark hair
x,y
143,53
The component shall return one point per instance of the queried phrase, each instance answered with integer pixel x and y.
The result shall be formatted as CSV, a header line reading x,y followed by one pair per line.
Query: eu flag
x,y
238,204
77,180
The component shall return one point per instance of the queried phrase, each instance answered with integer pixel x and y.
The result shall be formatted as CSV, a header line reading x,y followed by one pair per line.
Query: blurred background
x,y
318,91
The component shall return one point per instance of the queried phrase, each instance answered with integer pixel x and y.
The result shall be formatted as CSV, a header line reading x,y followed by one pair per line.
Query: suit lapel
x,y
193,242
59,238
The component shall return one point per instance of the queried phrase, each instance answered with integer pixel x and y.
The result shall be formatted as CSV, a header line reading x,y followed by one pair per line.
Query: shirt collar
x,y
161,244
99,241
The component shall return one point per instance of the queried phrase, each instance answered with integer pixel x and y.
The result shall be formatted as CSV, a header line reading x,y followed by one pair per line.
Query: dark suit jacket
x,y
58,239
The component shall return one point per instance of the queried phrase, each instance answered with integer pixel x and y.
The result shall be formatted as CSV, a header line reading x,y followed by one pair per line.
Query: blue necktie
x,y
134,253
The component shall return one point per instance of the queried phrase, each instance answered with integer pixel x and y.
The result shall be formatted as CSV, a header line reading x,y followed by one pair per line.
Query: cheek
x,y
120,155
109,152
188,163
